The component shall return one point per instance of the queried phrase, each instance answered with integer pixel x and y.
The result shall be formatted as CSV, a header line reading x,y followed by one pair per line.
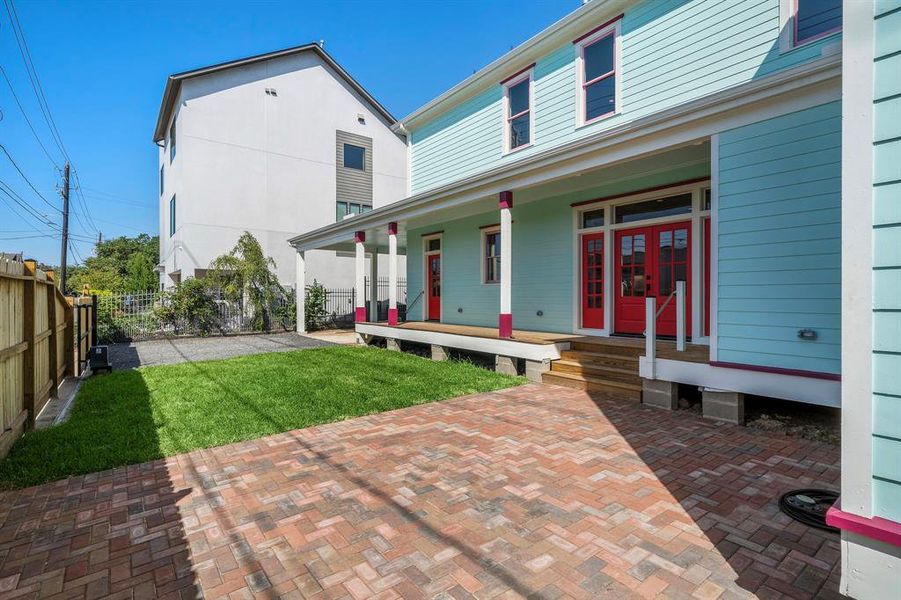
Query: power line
x,y
11,193
32,73
25,115
25,177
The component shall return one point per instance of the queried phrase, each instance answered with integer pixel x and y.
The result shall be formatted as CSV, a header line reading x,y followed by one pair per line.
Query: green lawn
x,y
134,416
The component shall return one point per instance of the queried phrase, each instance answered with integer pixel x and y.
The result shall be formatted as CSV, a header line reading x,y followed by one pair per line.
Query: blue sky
x,y
103,66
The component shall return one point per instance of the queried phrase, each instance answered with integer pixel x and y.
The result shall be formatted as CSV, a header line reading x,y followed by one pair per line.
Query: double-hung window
x,y
814,19
598,90
491,256
518,111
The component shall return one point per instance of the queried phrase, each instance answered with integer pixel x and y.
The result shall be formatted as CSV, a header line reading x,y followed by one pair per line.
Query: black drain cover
x,y
809,507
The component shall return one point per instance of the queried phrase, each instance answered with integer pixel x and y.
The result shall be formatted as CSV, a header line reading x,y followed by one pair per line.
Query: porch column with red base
x,y
505,319
392,273
360,283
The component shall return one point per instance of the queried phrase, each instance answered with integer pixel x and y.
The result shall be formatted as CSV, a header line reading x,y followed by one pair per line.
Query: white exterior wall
x,y
246,160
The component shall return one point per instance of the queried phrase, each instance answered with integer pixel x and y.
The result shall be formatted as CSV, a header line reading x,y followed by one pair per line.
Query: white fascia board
x,y
561,32
465,342
789,91
822,392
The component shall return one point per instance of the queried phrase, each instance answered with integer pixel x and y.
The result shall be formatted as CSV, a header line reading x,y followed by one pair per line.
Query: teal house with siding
x,y
656,193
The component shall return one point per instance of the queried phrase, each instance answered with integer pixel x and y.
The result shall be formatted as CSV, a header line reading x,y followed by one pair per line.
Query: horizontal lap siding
x,y
887,265
543,261
779,241
672,52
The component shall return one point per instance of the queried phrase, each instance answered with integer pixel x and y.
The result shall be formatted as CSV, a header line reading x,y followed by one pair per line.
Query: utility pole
x,y
65,244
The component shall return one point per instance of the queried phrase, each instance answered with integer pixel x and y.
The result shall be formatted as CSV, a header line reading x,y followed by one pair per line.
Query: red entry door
x,y
593,281
650,260
433,264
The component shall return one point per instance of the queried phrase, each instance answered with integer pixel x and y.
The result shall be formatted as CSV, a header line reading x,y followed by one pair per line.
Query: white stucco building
x,y
272,144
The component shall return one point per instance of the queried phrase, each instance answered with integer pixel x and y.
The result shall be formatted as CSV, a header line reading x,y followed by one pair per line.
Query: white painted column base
x,y
870,568
300,281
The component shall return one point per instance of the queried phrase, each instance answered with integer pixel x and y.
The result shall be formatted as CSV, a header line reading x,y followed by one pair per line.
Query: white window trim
x,y
483,246
787,11
528,74
615,30
609,230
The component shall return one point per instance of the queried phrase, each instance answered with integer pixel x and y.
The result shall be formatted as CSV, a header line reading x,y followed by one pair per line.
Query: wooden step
x,y
622,347
593,384
625,375
601,358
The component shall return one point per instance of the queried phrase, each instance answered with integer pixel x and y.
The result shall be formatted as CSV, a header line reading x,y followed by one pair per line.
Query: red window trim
x,y
598,28
797,43
518,73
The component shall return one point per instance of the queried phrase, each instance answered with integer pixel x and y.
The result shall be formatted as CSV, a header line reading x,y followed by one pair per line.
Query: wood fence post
x,y
54,335
28,356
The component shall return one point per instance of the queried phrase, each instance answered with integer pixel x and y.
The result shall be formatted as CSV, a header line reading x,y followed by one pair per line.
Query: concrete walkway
x,y
176,350
536,492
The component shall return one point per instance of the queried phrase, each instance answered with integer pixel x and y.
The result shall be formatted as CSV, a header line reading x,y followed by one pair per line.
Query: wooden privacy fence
x,y
37,345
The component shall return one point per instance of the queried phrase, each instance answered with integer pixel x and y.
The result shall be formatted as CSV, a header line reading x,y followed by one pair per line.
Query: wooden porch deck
x,y
698,353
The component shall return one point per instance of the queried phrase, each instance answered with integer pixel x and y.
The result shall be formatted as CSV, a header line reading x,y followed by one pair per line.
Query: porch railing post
x,y
680,316
650,337
374,285
505,319
300,275
360,283
392,273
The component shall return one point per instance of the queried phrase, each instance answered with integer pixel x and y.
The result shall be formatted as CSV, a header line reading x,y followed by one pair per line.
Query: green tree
x,y
140,274
315,312
108,270
246,274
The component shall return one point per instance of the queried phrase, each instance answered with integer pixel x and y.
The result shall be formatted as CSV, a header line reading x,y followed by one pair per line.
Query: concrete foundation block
x,y
660,394
361,339
535,368
723,406
505,365
392,344
439,352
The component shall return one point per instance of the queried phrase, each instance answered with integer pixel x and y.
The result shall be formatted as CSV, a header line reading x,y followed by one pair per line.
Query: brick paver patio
x,y
537,491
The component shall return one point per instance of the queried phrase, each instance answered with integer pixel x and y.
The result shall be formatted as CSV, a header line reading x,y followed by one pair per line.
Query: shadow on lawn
x,y
113,531
225,521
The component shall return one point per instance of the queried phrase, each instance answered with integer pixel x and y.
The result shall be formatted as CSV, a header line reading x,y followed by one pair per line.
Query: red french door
x,y
650,260
593,281
433,268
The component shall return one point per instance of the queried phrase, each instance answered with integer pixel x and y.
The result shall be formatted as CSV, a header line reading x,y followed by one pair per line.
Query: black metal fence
x,y
340,303
123,317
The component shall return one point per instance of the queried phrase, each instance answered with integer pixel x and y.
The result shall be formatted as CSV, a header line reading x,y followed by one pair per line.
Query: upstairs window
x,y
172,141
172,216
815,19
354,157
518,117
491,252
598,55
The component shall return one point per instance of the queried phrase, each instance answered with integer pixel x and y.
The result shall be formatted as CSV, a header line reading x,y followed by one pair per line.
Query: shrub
x,y
191,306
315,310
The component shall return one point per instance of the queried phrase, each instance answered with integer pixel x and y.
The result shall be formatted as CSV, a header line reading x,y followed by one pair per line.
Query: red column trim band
x,y
505,325
875,528
360,314
392,316
392,228
505,199
359,237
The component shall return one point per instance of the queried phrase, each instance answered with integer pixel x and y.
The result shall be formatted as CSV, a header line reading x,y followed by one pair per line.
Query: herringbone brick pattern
x,y
537,491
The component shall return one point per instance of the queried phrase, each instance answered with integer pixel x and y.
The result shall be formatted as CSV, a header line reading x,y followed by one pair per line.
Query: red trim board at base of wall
x,y
875,528
777,370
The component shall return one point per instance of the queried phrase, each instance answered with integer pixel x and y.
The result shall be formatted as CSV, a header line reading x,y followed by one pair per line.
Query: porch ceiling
x,y
629,175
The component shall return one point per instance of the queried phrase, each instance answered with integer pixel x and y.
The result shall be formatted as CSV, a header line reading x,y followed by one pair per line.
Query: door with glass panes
x,y
649,261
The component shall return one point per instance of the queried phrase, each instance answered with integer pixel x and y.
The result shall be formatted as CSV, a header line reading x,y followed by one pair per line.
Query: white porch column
x,y
300,276
374,285
360,282
505,319
392,273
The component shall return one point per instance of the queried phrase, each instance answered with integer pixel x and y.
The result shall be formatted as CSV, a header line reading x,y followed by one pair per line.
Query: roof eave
x,y
173,83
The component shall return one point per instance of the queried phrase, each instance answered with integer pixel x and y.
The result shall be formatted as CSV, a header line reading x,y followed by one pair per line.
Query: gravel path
x,y
169,351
